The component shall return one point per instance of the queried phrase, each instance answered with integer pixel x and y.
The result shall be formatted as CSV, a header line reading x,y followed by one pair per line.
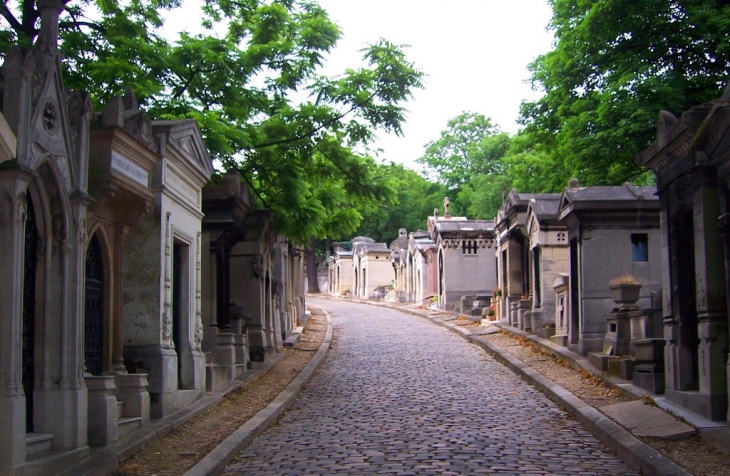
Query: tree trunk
x,y
311,262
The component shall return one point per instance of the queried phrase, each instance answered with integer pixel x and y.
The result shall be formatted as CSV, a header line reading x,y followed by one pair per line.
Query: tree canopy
x,y
470,145
475,163
252,83
615,65
415,200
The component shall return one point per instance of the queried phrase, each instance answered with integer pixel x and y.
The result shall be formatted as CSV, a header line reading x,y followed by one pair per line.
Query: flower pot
x,y
625,295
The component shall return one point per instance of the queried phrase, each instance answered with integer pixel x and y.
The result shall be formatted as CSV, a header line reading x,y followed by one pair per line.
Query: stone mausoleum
x,y
691,160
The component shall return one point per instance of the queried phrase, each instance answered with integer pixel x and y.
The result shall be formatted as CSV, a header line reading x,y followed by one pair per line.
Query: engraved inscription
x,y
129,169
180,185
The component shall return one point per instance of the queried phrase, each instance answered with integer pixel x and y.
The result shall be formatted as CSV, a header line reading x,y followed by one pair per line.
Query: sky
x,y
474,52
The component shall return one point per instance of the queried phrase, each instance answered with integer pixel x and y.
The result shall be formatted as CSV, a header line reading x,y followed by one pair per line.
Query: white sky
x,y
474,52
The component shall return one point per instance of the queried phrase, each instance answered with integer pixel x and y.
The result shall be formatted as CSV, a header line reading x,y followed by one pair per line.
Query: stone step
x,y
127,425
294,336
38,443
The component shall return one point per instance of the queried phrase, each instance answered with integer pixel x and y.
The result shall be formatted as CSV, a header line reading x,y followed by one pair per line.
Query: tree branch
x,y
77,24
187,83
253,188
318,128
345,172
14,23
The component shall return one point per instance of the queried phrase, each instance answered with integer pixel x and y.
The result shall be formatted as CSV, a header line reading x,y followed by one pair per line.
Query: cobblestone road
x,y
400,395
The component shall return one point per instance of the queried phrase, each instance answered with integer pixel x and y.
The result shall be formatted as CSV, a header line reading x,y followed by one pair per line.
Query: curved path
x,y
399,395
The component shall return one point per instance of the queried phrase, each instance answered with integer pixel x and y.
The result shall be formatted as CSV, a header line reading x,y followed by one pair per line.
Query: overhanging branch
x,y
318,128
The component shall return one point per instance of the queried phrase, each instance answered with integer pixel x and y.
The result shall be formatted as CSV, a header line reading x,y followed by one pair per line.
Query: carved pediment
x,y
186,137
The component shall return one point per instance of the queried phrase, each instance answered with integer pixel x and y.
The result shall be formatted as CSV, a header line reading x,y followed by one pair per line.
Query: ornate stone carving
x,y
139,126
50,117
257,265
198,331
166,312
198,335
81,230
724,224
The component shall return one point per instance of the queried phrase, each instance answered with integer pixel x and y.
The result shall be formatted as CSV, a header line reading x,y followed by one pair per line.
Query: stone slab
x,y
294,336
485,330
642,419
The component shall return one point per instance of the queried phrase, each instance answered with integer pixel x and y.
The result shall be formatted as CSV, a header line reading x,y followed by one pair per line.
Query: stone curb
x,y
637,455
215,461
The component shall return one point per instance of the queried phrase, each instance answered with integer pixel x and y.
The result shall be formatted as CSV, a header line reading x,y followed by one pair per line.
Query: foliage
x,y
623,279
471,145
615,65
479,165
415,201
255,91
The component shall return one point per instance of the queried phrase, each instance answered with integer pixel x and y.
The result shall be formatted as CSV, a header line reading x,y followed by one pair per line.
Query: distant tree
x,y
469,145
615,65
415,199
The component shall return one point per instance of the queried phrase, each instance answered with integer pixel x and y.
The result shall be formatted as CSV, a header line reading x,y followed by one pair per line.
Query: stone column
x,y
711,301
14,180
725,232
64,410
117,302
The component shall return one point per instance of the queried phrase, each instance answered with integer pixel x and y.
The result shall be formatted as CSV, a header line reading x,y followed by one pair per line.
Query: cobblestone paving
x,y
400,395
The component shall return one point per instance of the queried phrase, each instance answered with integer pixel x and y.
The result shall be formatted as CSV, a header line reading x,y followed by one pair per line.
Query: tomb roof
x,y
545,206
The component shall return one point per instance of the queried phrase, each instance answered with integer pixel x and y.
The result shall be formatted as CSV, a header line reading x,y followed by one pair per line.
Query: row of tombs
x,y
635,278
132,285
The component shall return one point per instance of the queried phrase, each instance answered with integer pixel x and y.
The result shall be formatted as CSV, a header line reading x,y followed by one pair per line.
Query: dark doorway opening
x,y
177,277
687,300
94,309
574,292
28,324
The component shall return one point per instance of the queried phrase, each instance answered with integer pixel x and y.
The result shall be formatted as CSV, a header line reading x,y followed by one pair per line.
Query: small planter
x,y
625,295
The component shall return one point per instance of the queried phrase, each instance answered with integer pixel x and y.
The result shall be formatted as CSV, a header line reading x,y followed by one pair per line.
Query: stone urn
x,y
625,295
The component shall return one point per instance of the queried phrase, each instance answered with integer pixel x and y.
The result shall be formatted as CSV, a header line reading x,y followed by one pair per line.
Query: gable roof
x,y
545,206
607,198
185,137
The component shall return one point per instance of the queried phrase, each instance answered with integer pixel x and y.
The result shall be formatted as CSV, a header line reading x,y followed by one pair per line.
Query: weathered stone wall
x,y
605,255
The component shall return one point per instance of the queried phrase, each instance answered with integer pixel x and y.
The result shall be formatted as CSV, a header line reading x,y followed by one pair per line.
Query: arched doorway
x,y
94,309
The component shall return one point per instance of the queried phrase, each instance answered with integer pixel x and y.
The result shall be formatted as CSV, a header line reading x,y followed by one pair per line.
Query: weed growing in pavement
x,y
648,400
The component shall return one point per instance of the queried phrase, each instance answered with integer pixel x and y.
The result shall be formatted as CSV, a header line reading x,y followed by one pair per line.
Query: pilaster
x,y
120,231
14,180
